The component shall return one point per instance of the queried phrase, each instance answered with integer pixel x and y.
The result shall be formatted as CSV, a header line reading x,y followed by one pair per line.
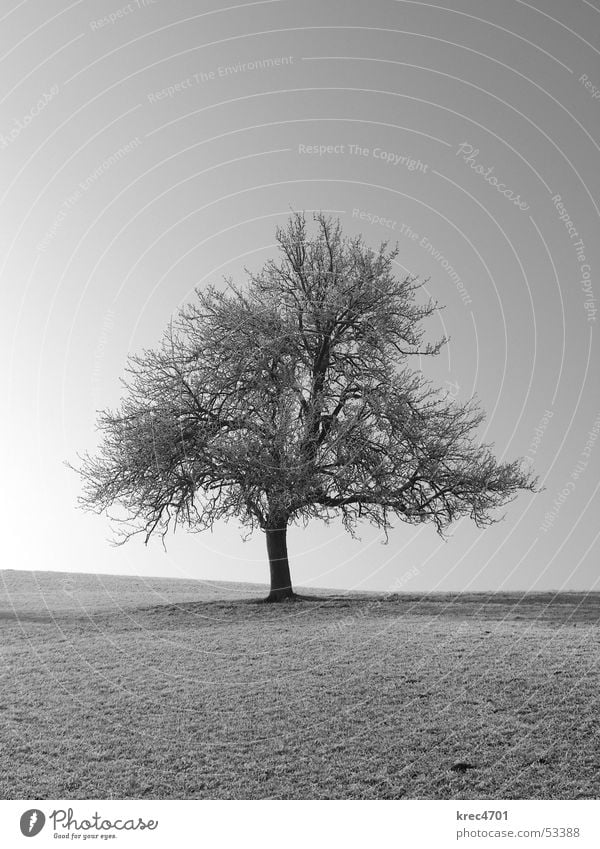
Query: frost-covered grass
x,y
129,688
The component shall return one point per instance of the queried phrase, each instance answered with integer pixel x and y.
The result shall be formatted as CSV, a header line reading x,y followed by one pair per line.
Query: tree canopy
x,y
291,398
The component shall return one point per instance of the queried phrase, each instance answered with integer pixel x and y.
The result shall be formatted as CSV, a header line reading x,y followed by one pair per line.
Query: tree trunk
x,y
281,582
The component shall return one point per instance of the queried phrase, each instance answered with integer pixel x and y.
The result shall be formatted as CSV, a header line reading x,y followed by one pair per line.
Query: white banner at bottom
x,y
270,823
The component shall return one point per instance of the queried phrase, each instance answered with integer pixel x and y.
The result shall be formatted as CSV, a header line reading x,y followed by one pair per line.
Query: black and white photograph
x,y
301,415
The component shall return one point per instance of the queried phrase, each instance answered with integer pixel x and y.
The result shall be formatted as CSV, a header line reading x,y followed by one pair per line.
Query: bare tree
x,y
290,400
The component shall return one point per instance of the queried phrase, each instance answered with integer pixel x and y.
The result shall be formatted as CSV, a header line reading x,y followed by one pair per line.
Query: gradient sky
x,y
147,148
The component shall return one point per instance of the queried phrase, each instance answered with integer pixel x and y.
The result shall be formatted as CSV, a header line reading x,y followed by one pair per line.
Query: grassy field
x,y
115,687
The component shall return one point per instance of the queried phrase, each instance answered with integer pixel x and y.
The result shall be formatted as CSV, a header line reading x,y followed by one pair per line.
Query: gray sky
x,y
150,147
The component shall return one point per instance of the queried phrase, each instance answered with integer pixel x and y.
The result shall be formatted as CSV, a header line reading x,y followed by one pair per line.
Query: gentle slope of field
x,y
116,687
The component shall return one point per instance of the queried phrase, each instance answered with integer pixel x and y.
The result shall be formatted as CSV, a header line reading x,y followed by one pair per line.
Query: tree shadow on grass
x,y
22,616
